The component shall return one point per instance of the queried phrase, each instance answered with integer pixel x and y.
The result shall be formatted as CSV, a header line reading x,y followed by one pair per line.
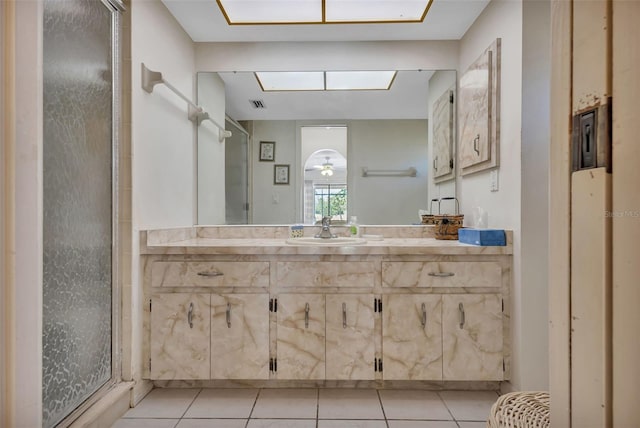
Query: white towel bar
x,y
195,113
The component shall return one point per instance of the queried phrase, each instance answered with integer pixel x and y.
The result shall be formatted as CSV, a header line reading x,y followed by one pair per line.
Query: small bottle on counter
x,y
354,229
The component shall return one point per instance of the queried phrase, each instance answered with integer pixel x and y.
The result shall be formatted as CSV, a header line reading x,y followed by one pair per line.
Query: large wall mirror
x,y
399,154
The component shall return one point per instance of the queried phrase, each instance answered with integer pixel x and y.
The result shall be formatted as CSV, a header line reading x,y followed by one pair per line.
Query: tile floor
x,y
309,408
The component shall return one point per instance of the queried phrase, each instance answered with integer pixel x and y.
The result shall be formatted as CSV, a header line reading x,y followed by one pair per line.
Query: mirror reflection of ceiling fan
x,y
326,168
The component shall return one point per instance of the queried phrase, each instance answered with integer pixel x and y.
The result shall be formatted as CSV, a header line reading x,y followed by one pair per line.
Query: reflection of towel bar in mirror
x,y
409,172
195,113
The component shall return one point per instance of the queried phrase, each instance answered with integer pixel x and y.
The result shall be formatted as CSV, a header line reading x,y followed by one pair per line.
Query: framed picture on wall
x,y
267,151
281,174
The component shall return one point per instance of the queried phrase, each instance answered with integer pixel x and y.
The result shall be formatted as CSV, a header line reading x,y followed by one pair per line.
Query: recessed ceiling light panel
x,y
262,12
271,11
376,10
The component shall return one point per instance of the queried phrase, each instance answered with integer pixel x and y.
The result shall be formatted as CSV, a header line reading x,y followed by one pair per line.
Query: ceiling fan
x,y
326,168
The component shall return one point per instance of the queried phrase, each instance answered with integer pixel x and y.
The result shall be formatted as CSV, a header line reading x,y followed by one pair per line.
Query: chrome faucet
x,y
326,231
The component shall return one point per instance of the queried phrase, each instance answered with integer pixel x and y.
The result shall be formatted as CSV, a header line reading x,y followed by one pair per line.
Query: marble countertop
x,y
269,246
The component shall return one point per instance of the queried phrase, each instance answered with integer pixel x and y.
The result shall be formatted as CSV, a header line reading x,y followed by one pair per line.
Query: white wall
x,y
440,82
274,204
387,145
502,19
210,152
536,135
162,137
162,140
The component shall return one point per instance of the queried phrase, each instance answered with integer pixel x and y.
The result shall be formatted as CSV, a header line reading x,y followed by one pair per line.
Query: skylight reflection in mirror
x,y
359,80
291,80
328,80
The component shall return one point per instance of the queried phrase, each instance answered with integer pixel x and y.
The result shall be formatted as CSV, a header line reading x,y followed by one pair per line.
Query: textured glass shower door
x,y
78,209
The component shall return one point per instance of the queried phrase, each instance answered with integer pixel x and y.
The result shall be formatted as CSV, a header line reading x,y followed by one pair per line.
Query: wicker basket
x,y
430,218
447,225
520,410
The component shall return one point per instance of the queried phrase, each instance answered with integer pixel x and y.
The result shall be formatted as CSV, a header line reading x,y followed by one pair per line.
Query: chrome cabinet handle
x,y
441,274
476,144
228,315
344,315
190,315
306,315
424,315
435,163
461,312
211,274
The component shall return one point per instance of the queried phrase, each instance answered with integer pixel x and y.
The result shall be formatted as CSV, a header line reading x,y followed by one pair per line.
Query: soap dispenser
x,y
354,229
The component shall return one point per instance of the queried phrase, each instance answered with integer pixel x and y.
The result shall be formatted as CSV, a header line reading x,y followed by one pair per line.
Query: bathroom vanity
x,y
241,304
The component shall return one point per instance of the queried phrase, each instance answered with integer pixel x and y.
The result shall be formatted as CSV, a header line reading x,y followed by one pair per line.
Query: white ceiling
x,y
446,20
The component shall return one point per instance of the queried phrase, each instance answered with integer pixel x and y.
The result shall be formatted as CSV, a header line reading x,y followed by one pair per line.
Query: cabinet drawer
x,y
441,274
210,274
325,274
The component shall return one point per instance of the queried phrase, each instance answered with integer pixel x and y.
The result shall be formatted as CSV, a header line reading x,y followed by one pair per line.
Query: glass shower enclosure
x,y
79,206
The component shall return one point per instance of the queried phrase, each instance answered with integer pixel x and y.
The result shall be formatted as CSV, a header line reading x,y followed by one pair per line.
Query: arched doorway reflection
x,y
325,187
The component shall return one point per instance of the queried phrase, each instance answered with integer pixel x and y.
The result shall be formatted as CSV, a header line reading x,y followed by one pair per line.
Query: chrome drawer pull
x,y
210,274
190,315
344,315
461,311
306,316
424,315
441,274
228,315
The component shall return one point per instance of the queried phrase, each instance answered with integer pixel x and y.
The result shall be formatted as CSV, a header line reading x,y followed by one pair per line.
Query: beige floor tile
x,y
212,423
163,403
469,405
422,424
286,403
145,423
353,423
223,403
349,404
472,424
420,405
282,423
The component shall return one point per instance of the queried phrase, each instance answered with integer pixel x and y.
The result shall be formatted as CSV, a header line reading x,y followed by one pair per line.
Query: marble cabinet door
x,y
180,332
443,135
300,344
240,336
350,337
412,337
475,112
472,337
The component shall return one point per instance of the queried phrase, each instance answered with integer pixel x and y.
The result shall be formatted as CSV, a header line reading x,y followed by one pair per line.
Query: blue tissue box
x,y
487,237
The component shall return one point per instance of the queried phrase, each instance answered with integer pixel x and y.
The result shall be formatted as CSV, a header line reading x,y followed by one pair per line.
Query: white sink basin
x,y
340,241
